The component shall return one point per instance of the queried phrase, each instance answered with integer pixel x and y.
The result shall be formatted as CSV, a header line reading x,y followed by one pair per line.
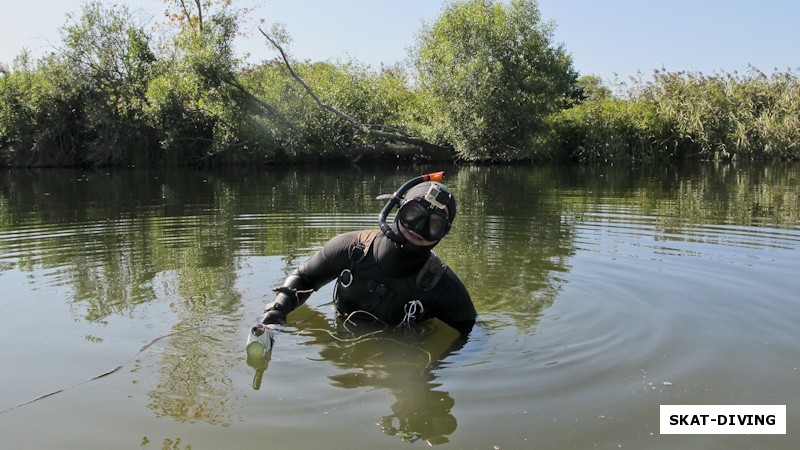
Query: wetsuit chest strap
x,y
431,272
428,276
360,248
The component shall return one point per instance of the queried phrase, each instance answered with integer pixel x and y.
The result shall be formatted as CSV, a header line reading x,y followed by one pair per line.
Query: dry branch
x,y
374,131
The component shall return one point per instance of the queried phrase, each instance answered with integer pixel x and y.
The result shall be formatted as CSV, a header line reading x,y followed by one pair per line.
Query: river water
x,y
603,293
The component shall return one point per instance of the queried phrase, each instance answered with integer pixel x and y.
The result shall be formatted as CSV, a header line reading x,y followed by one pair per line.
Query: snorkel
x,y
395,200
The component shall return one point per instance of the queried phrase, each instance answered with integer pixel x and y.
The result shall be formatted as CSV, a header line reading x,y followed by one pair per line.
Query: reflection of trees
x,y
109,234
509,241
192,384
516,227
678,199
402,362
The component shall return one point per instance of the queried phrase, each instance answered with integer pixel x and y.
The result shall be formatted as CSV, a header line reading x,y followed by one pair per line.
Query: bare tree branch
x,y
353,122
374,131
186,12
199,14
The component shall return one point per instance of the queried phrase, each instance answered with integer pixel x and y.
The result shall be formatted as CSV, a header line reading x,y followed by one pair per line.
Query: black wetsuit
x,y
383,280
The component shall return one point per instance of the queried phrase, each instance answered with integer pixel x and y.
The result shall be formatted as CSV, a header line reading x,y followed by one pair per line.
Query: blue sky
x,y
611,38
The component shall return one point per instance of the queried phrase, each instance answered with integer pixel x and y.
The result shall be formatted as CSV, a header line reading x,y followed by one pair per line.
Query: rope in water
x,y
104,374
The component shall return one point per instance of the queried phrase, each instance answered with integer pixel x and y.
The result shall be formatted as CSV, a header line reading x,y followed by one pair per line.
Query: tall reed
x,y
685,115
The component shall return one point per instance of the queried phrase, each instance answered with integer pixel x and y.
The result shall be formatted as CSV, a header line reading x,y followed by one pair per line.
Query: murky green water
x,y
602,292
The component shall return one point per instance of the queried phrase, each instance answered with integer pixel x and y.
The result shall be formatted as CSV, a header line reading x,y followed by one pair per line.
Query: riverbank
x,y
117,96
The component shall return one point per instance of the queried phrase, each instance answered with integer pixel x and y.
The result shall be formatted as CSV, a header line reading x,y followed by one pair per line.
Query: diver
x,y
391,275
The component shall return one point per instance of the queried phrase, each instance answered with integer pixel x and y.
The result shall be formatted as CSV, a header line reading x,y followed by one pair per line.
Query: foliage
x,y
195,14
591,88
685,115
493,75
83,105
108,98
728,116
306,131
110,62
35,111
609,129
189,101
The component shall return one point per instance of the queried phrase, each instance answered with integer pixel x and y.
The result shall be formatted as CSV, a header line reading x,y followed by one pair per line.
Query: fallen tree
x,y
398,143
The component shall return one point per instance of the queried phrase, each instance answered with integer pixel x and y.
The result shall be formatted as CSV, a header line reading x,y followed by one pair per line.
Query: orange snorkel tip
x,y
434,176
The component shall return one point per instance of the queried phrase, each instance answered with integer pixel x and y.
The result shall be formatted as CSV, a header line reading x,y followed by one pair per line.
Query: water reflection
x,y
402,361
193,384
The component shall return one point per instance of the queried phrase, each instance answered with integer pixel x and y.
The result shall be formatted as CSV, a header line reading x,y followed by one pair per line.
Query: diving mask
x,y
426,215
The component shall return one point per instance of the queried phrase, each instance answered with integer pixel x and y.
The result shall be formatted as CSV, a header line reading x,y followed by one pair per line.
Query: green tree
x,y
83,104
111,64
193,100
592,88
493,75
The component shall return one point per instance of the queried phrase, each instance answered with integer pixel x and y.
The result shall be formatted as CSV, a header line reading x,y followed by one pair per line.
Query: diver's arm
x,y
457,311
294,291
454,304
456,346
463,327
319,270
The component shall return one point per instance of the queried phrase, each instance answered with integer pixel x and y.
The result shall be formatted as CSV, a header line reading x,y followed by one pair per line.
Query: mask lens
x,y
412,212
430,224
438,226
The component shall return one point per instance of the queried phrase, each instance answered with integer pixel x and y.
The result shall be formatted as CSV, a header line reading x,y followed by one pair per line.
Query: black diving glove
x,y
273,317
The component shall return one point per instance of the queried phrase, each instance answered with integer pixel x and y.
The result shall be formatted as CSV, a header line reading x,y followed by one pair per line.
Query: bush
x,y
83,106
492,75
303,130
684,115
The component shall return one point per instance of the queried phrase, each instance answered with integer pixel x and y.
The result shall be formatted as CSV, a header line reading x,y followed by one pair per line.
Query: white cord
x,y
411,312
360,311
